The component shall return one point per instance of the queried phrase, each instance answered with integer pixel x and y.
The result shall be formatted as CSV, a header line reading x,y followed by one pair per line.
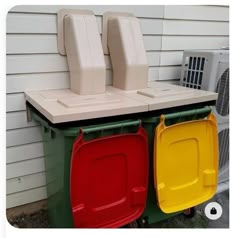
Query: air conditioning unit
x,y
223,137
209,70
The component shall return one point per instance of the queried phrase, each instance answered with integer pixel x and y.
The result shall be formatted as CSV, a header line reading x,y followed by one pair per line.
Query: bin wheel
x,y
139,223
190,212
142,223
133,224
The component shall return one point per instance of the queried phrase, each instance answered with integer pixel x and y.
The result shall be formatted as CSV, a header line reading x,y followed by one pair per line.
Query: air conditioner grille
x,y
224,148
194,74
222,104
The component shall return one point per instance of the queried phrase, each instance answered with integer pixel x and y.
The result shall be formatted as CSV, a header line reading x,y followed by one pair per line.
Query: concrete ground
x,y
40,219
200,220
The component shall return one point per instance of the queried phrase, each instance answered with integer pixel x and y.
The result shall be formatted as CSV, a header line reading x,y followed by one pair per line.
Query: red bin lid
x,y
109,177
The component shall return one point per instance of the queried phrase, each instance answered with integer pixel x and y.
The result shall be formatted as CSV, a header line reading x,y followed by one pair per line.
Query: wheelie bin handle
x,y
108,127
187,113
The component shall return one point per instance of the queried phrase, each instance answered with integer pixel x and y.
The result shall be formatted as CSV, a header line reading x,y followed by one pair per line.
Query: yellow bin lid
x,y
185,163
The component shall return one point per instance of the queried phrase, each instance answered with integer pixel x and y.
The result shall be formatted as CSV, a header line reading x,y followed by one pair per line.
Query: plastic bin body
x,y
57,150
58,145
109,177
153,213
185,162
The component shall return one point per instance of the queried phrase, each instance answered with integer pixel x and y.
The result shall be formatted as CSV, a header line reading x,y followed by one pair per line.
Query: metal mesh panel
x,y
222,104
194,74
224,155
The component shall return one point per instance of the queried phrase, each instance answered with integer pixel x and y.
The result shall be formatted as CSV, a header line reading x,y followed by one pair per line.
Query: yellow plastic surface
x,y
185,163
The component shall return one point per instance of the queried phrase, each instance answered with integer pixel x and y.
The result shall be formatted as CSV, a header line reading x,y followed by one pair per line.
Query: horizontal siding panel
x,y
40,81
31,23
156,11
173,27
47,24
23,136
20,64
151,26
15,102
21,198
171,58
153,74
25,167
167,73
31,82
153,58
24,152
29,44
171,81
152,42
193,42
196,12
47,44
16,120
27,182
170,72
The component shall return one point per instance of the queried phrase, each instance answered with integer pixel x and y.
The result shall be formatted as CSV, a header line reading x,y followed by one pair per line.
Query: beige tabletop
x,y
65,106
160,95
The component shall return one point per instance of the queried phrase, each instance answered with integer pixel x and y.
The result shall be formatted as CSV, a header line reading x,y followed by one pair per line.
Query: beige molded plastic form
x,y
165,95
79,39
64,105
128,56
105,19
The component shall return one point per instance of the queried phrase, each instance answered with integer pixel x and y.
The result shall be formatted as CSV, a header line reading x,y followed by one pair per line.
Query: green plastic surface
x,y
58,145
58,142
152,213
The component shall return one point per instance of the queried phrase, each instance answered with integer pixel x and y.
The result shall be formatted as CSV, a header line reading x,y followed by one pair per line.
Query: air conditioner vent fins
x,y
222,104
194,73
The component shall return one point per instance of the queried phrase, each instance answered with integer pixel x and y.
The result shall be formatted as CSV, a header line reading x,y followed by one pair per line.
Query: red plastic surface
x,y
109,178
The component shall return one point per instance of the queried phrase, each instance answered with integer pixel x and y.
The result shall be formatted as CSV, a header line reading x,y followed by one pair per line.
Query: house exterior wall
x,y
33,63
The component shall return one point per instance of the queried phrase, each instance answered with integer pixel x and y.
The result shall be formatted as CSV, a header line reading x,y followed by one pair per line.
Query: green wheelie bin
x,y
153,213
120,179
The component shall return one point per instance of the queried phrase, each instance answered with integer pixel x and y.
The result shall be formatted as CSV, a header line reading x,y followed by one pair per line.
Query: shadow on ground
x,y
200,220
40,219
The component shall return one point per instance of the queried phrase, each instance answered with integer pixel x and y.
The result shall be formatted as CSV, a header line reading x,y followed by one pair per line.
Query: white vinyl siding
x,y
33,63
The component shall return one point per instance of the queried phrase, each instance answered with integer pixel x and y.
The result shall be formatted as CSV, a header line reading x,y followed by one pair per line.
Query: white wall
x,y
33,63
